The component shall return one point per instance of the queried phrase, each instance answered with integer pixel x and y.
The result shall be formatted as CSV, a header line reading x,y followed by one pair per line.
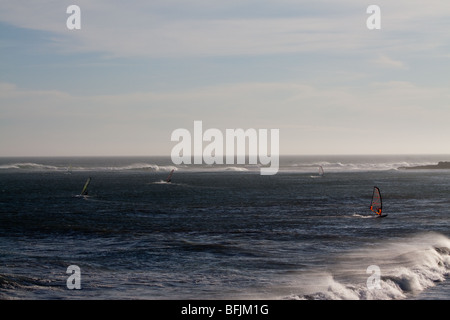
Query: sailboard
x,y
377,203
321,172
169,178
84,192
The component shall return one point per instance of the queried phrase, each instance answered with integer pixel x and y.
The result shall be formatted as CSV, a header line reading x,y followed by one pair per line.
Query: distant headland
x,y
440,165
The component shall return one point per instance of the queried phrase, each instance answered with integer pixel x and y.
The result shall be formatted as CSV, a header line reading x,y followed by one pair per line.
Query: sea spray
x,y
407,266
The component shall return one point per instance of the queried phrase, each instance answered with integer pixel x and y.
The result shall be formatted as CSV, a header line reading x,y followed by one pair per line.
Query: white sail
x,y
321,172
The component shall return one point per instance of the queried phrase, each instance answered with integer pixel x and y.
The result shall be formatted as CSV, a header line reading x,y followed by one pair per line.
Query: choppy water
x,y
223,232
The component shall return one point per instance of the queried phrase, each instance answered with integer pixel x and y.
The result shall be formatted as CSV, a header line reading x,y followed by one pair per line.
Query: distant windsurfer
x,y
84,192
169,178
376,205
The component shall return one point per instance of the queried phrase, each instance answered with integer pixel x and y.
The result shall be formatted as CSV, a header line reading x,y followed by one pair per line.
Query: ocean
x,y
223,232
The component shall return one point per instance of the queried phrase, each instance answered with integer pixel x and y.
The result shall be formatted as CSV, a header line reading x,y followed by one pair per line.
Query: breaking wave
x,y
43,167
236,169
28,166
306,164
406,268
144,166
350,167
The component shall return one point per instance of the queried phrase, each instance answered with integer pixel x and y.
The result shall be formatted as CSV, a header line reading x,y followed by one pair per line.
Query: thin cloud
x,y
385,61
308,68
217,29
137,123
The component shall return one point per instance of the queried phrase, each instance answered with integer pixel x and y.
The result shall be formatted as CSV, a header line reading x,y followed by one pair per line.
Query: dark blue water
x,y
223,232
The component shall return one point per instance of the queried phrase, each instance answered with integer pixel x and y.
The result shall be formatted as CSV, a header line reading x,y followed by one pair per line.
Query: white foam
x,y
145,166
27,165
407,268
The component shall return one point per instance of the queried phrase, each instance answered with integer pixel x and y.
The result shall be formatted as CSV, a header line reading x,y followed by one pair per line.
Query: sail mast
x,y
84,191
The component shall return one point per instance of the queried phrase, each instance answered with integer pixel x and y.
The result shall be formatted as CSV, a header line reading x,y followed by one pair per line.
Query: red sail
x,y
376,205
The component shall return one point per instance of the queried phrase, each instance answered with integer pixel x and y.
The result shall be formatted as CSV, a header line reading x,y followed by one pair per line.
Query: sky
x,y
138,70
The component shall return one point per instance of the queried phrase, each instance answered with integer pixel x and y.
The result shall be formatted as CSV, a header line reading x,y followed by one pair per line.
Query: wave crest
x,y
43,167
27,166
406,268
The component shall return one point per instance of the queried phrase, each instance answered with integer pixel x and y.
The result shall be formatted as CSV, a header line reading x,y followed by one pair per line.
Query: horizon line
x,y
246,155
